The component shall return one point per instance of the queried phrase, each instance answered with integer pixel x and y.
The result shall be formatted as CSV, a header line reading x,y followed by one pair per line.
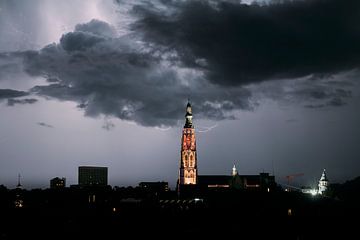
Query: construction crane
x,y
291,177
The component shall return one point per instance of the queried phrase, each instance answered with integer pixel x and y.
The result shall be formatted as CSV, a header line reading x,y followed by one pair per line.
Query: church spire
x,y
19,186
188,160
323,176
323,183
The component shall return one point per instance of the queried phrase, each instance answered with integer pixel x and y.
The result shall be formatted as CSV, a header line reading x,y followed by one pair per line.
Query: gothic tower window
x,y
191,174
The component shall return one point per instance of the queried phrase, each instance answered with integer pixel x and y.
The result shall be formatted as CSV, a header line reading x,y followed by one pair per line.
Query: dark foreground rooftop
x,y
69,214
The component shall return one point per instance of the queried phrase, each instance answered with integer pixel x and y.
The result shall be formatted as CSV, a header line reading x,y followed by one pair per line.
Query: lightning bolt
x,y
206,129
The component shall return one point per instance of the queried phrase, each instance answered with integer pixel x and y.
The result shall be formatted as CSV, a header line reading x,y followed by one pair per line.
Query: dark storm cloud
x,y
205,51
237,44
117,77
96,27
42,124
12,102
323,92
79,41
334,91
322,95
6,66
10,93
335,102
87,35
10,65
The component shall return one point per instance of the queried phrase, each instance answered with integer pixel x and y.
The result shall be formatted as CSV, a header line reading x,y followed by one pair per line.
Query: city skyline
x,y
274,88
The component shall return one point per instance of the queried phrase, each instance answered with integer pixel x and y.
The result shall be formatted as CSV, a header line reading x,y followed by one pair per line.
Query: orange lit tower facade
x,y
188,162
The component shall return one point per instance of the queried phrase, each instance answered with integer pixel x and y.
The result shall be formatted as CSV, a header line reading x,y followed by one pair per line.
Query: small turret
x,y
234,171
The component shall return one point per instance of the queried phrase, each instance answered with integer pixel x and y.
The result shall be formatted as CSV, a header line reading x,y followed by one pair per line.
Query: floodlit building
x,y
188,161
323,183
189,181
93,176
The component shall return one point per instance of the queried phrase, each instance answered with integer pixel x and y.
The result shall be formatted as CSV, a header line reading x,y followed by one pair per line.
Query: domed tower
x,y
323,183
188,162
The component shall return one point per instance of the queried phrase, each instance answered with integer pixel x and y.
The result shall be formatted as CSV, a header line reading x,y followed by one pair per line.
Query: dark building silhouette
x,y
214,181
263,181
57,183
19,186
154,186
93,176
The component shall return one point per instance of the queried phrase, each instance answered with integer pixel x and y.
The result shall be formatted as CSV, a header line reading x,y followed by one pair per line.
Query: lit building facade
x,y
188,161
57,183
93,176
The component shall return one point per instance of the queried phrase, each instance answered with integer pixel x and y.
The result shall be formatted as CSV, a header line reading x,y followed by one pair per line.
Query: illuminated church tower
x,y
323,183
188,161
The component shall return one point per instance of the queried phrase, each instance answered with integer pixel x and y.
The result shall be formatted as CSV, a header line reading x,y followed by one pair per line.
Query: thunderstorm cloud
x,y
113,76
217,53
236,44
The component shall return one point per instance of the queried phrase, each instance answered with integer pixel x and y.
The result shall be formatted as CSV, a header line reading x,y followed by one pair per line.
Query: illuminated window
x,y
289,212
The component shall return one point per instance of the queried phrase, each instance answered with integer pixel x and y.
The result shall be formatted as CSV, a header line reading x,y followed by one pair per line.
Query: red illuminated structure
x,y
188,162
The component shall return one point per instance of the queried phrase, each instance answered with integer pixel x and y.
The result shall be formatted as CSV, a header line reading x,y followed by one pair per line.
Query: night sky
x,y
274,87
